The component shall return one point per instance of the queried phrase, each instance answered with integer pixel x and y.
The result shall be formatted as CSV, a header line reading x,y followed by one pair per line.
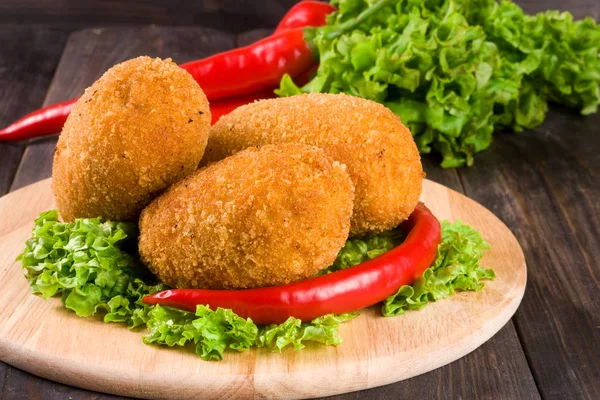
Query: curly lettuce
x,y
456,268
456,71
294,332
358,250
92,264
212,332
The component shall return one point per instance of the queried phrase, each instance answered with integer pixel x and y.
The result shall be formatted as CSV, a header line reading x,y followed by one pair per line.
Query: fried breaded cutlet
x,y
140,127
379,151
266,216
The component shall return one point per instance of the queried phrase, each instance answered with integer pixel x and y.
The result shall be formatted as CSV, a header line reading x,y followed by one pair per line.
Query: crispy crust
x,y
379,151
142,126
265,216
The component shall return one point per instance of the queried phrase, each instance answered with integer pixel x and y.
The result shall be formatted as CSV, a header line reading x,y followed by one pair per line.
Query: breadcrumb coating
x,y
266,216
140,127
379,151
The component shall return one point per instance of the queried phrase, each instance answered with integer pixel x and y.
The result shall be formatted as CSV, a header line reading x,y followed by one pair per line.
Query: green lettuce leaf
x,y
456,268
211,331
455,71
92,264
294,332
359,250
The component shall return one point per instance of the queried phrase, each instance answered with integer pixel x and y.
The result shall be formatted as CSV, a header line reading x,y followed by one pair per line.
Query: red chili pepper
x,y
45,121
255,67
211,73
339,292
221,107
262,64
241,71
50,120
305,13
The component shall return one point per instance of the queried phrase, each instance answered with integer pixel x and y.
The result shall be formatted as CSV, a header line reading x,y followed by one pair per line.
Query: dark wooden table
x,y
542,183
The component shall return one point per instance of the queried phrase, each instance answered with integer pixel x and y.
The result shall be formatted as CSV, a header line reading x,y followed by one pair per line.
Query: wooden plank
x,y
546,188
228,15
21,385
245,38
3,369
490,372
570,162
10,156
89,53
25,74
579,8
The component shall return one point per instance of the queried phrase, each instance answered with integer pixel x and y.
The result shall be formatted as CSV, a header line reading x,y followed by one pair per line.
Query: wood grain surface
x,y
229,15
25,74
550,200
44,338
542,183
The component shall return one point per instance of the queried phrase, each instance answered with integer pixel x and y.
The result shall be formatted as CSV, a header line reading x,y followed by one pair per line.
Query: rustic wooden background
x,y
542,183
230,15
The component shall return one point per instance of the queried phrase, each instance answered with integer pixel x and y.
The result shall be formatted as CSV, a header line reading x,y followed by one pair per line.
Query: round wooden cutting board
x,y
45,339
